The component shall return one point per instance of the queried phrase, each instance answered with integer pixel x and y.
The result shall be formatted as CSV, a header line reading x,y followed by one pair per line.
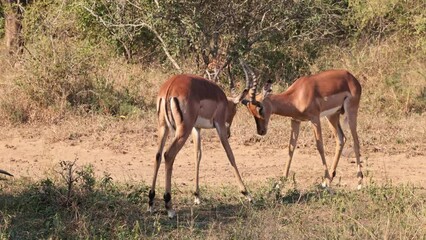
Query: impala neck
x,y
282,104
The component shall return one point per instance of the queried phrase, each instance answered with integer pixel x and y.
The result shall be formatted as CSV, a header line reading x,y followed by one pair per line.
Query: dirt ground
x,y
35,154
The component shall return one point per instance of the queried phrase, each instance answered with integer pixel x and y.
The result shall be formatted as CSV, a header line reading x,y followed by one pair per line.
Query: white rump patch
x,y
197,200
330,111
203,123
166,114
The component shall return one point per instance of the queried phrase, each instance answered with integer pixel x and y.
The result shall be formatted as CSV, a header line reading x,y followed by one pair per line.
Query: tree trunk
x,y
231,78
13,26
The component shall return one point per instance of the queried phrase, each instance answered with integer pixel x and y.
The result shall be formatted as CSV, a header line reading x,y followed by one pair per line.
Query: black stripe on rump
x,y
179,111
169,115
342,110
159,107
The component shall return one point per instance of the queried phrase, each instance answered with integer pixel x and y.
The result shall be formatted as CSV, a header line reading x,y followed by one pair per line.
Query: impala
x,y
5,173
185,104
329,94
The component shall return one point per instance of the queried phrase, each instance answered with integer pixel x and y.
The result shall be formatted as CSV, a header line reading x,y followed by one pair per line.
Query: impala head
x,y
260,107
232,110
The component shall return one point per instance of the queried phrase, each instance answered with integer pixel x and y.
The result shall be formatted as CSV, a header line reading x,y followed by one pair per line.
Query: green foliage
x,y
2,20
116,23
280,39
381,18
47,208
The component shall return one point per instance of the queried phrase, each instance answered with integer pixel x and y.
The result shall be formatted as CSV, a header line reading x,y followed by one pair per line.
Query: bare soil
x,y
127,156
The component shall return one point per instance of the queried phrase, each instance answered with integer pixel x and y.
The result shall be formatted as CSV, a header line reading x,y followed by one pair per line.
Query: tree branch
x,y
145,25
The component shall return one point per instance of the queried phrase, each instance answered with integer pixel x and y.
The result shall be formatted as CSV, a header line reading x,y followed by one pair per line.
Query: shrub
x,y
15,107
1,21
62,71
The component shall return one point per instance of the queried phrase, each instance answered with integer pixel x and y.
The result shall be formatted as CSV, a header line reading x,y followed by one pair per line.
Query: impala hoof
x,y
171,213
359,187
197,201
151,209
324,184
250,199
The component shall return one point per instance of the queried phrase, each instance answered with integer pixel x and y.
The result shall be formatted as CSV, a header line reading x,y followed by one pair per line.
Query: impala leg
x,y
351,106
316,123
353,125
169,158
197,144
163,132
295,127
333,120
221,130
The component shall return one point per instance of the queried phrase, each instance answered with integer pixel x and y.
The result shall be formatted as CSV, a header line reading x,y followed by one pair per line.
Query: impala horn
x,y
6,173
241,97
253,88
250,85
246,90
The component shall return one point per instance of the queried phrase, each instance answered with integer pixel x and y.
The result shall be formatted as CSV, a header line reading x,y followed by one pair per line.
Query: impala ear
x,y
241,97
267,89
6,173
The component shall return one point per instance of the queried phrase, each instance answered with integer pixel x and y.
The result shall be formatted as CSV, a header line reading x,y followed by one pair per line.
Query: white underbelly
x,y
203,123
330,111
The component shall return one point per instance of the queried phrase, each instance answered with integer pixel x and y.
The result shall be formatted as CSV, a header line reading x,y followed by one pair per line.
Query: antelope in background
x,y
185,104
327,94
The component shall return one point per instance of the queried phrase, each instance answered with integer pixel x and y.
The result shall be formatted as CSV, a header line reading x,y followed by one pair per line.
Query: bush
x,y
15,107
56,75
1,21
382,18
62,71
70,76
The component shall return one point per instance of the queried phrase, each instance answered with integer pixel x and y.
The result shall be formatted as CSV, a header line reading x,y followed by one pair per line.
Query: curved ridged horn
x,y
241,97
245,67
249,72
6,173
254,88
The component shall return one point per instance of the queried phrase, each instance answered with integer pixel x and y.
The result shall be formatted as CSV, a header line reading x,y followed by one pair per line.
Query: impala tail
x,y
170,110
6,173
